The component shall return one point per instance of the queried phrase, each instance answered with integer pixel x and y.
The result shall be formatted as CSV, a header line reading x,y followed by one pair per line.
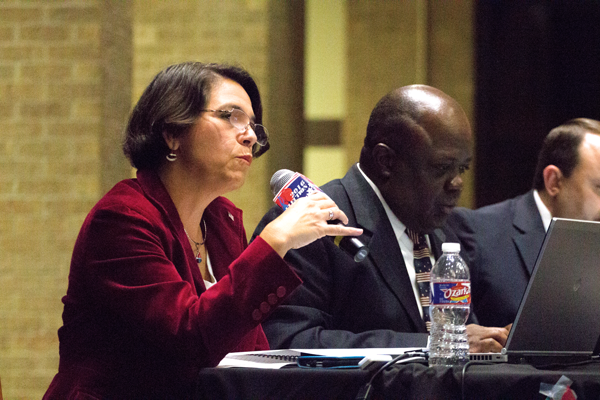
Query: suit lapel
x,y
384,252
529,230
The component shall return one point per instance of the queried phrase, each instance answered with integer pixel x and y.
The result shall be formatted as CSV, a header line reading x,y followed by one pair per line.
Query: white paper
x,y
275,359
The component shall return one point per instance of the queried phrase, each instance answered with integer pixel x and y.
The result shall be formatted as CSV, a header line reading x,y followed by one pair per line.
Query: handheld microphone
x,y
288,186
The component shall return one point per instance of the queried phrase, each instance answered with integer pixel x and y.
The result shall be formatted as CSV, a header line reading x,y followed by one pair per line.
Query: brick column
x,y
382,55
451,65
285,106
396,43
116,63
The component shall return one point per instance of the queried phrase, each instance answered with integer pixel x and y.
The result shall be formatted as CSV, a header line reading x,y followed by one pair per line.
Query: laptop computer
x,y
559,316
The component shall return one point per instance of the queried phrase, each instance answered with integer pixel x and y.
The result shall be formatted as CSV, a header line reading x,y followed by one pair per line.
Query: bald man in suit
x,y
417,146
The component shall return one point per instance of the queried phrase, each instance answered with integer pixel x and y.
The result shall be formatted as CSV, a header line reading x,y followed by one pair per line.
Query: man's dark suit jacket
x,y
502,241
343,304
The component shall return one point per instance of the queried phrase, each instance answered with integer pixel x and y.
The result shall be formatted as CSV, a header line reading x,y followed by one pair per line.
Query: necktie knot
x,y
416,237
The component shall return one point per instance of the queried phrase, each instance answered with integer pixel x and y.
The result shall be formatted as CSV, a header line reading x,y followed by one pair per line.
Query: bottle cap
x,y
451,247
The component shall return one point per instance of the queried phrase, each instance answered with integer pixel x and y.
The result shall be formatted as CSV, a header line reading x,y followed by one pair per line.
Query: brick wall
x,y
50,96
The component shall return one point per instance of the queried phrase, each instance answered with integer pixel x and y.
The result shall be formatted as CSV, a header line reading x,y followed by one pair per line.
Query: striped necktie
x,y
422,264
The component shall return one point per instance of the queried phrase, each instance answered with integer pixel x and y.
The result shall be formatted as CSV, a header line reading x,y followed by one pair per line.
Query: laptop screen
x,y
560,310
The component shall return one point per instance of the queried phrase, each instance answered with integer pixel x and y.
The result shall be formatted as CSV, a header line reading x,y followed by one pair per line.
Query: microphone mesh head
x,y
279,179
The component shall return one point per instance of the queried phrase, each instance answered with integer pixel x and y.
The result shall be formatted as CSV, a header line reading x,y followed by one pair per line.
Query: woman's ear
x,y
384,158
552,180
171,142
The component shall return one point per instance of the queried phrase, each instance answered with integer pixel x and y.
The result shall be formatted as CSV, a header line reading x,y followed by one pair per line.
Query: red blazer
x,y
138,321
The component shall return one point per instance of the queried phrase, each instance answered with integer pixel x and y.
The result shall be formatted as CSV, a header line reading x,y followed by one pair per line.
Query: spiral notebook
x,y
275,359
559,317
271,359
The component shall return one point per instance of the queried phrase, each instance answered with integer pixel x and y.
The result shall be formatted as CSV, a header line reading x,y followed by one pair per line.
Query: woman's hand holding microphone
x,y
305,221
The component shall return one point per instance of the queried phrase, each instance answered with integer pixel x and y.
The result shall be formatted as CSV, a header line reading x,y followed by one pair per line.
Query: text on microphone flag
x,y
296,187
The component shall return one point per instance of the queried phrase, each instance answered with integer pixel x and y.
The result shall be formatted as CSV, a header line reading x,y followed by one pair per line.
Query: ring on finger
x,y
330,215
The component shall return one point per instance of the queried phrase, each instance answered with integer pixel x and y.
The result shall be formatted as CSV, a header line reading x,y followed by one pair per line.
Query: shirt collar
x,y
543,210
399,227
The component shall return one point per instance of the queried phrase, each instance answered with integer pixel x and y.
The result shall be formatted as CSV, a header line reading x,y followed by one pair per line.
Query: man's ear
x,y
170,141
384,158
552,180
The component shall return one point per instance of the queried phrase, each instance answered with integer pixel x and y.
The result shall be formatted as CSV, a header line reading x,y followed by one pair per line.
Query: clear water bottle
x,y
450,299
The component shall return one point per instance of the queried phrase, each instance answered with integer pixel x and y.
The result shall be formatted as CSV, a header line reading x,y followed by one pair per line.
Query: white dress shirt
x,y
544,212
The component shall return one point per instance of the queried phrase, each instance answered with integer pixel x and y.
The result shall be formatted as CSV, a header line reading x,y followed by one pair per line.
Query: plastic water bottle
x,y
450,299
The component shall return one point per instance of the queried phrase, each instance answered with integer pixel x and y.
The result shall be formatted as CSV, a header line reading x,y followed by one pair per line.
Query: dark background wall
x,y
537,66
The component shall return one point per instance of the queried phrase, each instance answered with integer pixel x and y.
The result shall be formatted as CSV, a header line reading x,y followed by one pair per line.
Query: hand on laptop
x,y
486,340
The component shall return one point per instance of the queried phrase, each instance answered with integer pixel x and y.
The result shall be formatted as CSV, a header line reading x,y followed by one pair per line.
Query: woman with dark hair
x,y
162,280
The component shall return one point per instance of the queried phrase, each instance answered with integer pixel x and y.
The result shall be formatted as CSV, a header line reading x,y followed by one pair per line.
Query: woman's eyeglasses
x,y
240,120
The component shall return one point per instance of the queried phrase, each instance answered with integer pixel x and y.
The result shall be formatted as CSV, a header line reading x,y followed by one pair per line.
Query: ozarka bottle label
x,y
450,293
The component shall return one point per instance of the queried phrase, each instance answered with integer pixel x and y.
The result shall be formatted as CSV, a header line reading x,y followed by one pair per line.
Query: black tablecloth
x,y
292,383
412,381
498,381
